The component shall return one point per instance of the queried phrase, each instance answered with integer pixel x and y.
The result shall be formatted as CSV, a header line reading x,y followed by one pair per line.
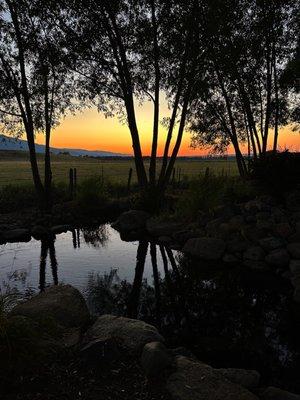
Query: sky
x,y
90,130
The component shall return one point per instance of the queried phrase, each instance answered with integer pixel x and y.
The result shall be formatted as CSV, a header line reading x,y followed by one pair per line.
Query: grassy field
x,y
17,171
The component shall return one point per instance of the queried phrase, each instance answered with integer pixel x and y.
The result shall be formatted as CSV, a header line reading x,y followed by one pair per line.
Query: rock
x,y
263,216
271,243
132,220
16,235
256,265
244,377
294,250
63,303
205,248
236,222
237,245
273,393
155,358
166,240
196,381
213,226
295,267
40,232
253,233
254,206
182,351
130,334
230,259
283,229
278,258
162,228
184,235
297,294
57,229
295,238
254,253
101,351
266,226
293,201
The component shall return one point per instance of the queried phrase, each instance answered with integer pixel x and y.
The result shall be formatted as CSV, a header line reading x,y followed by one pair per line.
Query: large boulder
x,y
163,228
244,377
63,303
273,393
193,380
205,248
271,243
254,253
130,334
155,359
294,250
278,258
132,220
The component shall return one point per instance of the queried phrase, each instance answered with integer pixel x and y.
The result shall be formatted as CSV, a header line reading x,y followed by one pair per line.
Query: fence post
x,y
206,173
129,179
71,182
75,180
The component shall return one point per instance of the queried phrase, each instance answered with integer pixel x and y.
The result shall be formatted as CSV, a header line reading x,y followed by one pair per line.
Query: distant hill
x,y
8,143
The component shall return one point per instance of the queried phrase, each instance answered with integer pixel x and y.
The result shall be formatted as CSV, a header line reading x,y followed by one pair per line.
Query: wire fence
x,y
19,172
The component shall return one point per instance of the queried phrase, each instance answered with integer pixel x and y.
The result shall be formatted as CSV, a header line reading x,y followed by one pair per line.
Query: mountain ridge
x,y
9,143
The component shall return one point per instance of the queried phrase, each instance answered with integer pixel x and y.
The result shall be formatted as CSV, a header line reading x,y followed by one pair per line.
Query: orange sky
x,y
90,130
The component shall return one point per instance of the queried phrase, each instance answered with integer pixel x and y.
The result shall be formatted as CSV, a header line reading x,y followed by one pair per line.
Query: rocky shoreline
x,y
106,340
260,234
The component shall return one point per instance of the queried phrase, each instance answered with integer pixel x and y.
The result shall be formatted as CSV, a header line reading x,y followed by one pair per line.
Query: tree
x,y
126,51
35,87
248,45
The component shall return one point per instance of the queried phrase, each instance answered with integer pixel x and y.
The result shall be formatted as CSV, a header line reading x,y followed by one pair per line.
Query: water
x,y
227,317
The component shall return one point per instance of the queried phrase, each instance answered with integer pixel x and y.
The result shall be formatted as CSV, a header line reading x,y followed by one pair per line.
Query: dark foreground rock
x,y
133,220
205,248
249,379
273,393
155,358
196,381
130,334
63,303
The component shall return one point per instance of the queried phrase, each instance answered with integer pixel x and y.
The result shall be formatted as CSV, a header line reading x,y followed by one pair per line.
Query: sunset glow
x,y
90,130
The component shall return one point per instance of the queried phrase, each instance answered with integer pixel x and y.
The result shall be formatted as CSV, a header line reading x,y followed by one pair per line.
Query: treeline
x,y
228,68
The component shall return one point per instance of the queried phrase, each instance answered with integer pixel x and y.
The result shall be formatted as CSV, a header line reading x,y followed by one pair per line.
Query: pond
x,y
228,317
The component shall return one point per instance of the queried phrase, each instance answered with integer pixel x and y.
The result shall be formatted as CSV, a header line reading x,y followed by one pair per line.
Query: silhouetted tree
x,y
240,100
35,87
126,51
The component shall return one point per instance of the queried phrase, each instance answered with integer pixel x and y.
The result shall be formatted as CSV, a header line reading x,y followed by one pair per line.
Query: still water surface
x,y
229,317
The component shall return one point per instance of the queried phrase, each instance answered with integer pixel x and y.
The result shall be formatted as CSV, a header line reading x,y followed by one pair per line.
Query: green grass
x,y
16,171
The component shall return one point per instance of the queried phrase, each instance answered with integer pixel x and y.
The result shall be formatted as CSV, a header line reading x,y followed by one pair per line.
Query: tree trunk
x,y
152,168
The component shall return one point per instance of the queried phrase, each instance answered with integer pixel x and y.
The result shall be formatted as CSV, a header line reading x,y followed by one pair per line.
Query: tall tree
x,y
248,45
35,87
125,51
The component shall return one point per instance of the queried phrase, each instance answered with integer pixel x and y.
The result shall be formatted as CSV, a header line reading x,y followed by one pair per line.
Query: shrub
x,y
92,192
278,172
208,192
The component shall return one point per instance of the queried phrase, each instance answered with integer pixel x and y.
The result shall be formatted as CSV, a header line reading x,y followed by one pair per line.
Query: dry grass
x,y
16,171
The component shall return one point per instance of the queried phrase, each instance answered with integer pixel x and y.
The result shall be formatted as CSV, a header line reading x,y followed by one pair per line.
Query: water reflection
x,y
227,317
47,247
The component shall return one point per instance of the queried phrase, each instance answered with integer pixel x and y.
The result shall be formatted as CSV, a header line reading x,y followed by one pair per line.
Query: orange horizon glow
x,y
90,130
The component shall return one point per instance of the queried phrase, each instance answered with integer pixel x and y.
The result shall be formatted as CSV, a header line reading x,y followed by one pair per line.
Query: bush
x,y
208,192
278,172
92,193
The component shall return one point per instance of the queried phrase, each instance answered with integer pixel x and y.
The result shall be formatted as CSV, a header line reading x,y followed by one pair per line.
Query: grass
x,y
17,171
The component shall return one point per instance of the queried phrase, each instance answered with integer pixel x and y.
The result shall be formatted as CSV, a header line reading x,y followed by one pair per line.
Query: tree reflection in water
x,y
227,317
47,247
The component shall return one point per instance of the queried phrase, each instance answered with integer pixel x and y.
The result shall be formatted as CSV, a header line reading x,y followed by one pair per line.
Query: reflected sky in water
x,y
78,254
